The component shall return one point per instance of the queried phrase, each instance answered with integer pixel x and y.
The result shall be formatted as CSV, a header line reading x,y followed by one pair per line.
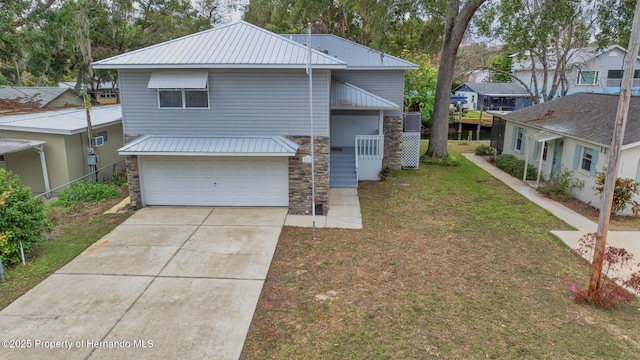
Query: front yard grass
x,y
77,228
451,263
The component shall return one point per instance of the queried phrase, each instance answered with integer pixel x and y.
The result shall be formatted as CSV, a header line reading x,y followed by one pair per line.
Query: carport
x,y
8,146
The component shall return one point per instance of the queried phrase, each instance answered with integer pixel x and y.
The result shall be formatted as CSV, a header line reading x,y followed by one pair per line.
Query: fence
x,y
108,174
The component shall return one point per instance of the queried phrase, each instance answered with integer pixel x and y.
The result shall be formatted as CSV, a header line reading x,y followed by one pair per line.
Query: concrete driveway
x,y
170,282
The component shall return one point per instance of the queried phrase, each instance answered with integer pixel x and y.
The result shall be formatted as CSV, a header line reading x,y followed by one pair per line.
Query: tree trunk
x,y
455,26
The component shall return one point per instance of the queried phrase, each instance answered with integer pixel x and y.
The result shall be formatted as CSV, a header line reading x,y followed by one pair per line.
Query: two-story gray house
x,y
222,117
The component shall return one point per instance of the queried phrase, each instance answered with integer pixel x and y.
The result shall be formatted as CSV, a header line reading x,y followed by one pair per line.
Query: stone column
x,y
300,175
133,172
392,142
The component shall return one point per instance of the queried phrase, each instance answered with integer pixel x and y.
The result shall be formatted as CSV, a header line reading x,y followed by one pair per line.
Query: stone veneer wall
x,y
300,175
392,142
133,173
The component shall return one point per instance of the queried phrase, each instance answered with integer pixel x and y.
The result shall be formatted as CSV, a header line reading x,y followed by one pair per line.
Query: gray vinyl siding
x,y
388,84
242,102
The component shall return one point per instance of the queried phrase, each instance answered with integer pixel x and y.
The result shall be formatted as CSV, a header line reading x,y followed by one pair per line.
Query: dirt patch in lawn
x,y
451,265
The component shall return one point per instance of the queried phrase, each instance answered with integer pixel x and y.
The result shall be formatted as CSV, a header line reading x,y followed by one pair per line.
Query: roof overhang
x,y
543,136
44,130
216,66
345,96
8,146
169,145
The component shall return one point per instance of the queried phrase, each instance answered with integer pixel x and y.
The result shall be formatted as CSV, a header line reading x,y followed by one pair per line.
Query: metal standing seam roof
x,y
355,55
345,96
587,116
66,121
42,95
236,45
210,146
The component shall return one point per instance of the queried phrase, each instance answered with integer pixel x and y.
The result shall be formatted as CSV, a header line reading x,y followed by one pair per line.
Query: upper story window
x,y
183,98
181,89
614,78
587,78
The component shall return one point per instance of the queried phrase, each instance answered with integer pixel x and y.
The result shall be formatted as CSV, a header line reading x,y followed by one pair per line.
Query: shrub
x,y
609,294
623,193
511,165
483,150
449,160
560,187
86,191
22,218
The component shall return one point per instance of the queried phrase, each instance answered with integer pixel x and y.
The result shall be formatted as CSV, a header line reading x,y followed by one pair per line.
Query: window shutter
x,y
524,140
576,156
594,162
638,173
514,137
536,148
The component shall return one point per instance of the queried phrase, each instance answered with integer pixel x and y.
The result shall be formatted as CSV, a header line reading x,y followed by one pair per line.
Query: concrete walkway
x,y
168,283
629,240
344,212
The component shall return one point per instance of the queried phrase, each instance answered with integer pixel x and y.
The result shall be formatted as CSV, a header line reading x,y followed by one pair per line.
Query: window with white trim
x,y
183,98
520,139
587,78
587,159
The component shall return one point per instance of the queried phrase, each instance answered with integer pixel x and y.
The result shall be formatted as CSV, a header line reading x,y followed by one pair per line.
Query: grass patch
x,y
77,228
453,265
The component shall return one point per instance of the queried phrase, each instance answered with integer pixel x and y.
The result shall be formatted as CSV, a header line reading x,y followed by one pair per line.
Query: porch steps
x,y
343,169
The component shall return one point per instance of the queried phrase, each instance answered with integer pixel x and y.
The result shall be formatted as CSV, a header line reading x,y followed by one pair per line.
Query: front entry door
x,y
557,158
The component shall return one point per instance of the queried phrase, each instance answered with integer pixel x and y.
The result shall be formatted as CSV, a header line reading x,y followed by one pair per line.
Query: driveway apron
x,y
168,283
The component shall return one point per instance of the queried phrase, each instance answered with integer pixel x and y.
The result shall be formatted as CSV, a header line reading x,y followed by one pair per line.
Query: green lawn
x,y
451,263
77,229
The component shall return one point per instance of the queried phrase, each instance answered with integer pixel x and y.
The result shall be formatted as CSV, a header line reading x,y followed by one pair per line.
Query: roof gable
x,y
585,116
236,45
356,56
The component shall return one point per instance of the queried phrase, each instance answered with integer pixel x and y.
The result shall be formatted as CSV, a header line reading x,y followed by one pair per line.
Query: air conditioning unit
x,y
98,141
412,122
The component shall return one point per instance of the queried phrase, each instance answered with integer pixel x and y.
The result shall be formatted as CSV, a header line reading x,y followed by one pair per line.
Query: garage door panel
x,y
214,181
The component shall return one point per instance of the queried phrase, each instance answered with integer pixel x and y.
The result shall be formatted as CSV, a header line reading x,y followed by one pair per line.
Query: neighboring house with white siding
x,y
222,117
571,133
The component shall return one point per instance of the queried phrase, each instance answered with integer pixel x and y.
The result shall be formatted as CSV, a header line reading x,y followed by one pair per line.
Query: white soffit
x,y
194,79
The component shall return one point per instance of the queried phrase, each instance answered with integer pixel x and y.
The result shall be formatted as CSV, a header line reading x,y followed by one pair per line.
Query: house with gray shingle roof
x,y
223,117
571,133
494,96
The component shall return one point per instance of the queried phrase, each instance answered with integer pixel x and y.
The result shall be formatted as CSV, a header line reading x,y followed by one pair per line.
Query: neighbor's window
x,y
183,98
519,139
587,77
587,159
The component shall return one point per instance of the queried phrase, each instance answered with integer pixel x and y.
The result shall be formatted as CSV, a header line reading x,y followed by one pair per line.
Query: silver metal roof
x,y
39,96
66,121
355,55
236,45
8,146
496,89
345,96
210,146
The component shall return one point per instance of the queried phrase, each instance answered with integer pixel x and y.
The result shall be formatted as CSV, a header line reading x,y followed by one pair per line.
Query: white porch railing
x,y
369,153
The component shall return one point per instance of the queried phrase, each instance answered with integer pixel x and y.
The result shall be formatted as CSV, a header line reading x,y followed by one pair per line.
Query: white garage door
x,y
214,181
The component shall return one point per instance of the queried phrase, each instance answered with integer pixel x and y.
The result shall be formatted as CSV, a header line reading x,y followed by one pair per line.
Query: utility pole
x,y
614,154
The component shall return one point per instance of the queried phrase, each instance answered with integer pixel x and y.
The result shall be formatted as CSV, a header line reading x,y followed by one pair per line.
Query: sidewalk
x,y
630,240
